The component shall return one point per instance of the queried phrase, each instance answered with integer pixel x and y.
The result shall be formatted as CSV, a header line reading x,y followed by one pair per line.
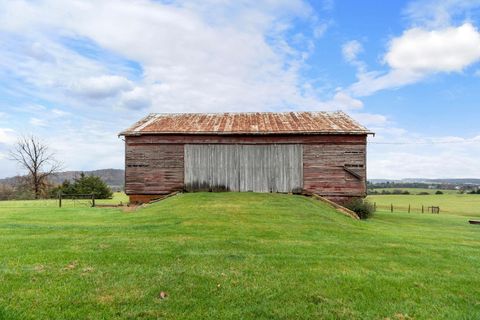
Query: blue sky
x,y
75,73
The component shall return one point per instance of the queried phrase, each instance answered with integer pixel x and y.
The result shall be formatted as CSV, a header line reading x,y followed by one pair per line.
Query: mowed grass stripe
x,y
235,255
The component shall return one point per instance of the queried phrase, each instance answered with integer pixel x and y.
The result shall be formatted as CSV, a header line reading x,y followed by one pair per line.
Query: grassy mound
x,y
232,256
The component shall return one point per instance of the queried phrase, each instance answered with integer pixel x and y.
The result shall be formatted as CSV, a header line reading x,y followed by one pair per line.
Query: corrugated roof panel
x,y
247,123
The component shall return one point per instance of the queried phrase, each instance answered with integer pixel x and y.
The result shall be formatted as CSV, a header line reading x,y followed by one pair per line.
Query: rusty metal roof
x,y
254,123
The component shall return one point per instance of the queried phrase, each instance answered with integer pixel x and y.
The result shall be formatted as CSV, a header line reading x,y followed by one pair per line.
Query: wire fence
x,y
45,203
69,202
409,209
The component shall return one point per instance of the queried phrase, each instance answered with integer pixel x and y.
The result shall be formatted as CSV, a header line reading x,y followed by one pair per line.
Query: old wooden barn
x,y
318,152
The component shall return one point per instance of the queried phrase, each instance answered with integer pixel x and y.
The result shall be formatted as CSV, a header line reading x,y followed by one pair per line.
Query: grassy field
x,y
455,204
118,198
235,256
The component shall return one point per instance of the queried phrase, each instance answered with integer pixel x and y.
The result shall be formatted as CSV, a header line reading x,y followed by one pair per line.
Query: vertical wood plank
x,y
258,168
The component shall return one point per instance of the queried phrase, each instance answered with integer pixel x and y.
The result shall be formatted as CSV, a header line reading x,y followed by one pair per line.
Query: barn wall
x,y
155,163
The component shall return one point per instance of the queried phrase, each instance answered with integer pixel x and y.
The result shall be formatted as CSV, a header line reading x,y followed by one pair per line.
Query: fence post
x,y
374,207
93,200
59,200
391,207
422,209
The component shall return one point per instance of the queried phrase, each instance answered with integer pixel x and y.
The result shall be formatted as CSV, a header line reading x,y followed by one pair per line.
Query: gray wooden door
x,y
258,168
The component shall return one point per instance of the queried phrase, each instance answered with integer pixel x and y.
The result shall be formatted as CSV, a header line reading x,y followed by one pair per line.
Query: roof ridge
x,y
288,122
248,112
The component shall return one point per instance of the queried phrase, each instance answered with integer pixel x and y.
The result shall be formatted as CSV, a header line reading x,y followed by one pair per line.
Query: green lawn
x,y
235,256
118,198
457,204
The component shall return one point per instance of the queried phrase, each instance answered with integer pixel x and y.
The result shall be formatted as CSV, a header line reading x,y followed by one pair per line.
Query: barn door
x,y
258,168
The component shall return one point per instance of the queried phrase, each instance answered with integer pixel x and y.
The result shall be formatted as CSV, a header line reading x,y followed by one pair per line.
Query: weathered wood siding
x,y
258,168
155,163
324,173
153,169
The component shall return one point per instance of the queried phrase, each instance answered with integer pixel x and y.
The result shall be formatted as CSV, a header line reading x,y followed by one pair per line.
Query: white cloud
x,y
47,117
193,58
57,113
419,53
342,100
438,14
136,99
371,82
101,87
320,29
444,50
351,49
38,122
37,51
7,136
92,148
350,52
31,108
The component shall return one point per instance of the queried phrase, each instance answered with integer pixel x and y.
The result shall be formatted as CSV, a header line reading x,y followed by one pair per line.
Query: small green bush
x,y
439,192
423,193
84,185
361,207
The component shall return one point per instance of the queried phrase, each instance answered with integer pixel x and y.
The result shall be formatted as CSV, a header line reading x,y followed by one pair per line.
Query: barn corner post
x,y
319,152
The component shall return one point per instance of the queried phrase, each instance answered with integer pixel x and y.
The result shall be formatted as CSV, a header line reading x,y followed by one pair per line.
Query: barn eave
x,y
277,133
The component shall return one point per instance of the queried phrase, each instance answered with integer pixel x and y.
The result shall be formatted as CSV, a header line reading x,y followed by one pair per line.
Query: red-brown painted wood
x,y
155,163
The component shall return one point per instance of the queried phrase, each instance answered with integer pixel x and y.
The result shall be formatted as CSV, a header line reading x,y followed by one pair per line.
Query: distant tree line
x,y
398,192
21,188
415,185
394,191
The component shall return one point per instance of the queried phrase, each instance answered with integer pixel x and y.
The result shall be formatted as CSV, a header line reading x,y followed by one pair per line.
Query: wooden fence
x,y
90,197
410,209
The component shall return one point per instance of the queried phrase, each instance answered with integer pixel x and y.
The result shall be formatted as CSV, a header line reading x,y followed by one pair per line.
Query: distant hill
x,y
459,181
115,178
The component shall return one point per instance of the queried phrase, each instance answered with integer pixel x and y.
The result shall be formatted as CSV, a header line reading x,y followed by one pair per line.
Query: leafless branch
x,y
35,157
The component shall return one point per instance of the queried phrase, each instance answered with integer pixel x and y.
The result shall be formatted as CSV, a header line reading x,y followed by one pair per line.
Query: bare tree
x,y
35,157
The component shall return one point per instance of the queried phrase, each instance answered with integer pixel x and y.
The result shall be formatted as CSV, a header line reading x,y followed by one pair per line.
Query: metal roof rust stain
x,y
247,123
